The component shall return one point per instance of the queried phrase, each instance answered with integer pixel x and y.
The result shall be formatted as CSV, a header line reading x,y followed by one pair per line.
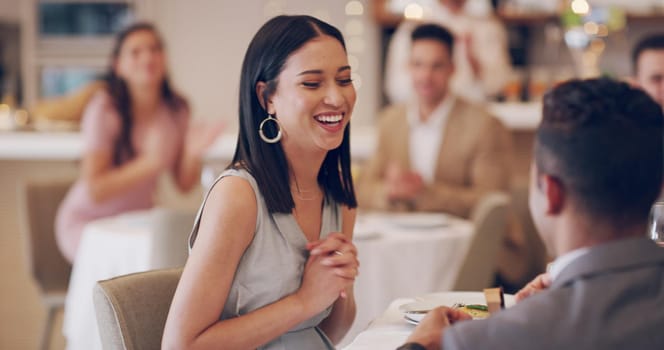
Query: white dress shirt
x,y
561,262
488,42
426,137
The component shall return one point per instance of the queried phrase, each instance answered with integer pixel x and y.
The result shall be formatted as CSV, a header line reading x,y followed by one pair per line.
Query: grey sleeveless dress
x,y
272,267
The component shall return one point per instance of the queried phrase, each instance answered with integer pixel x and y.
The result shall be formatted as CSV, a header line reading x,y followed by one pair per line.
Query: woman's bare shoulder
x,y
230,212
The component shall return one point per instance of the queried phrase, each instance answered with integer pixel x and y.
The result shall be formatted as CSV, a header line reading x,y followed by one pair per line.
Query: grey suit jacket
x,y
610,298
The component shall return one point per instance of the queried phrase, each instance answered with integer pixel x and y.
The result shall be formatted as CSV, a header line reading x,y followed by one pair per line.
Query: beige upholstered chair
x,y
38,203
490,217
132,309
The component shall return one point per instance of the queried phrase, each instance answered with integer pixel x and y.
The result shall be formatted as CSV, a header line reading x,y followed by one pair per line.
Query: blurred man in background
x,y
648,65
439,152
481,55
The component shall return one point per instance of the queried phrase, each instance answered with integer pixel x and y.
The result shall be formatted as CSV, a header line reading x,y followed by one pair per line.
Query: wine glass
x,y
656,226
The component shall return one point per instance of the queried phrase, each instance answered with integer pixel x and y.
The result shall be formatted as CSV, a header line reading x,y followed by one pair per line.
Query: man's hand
x,y
402,184
430,330
540,283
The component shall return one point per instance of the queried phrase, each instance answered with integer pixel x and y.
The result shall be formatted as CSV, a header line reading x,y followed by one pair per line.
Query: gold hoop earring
x,y
275,139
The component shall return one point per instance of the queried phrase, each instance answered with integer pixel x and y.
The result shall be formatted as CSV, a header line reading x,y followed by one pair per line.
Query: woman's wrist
x,y
302,304
151,165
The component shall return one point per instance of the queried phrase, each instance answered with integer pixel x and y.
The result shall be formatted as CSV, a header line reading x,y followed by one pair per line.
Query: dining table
x,y
404,254
392,328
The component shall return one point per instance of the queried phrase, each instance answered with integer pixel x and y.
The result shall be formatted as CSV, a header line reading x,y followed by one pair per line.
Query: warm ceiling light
x,y
580,7
413,11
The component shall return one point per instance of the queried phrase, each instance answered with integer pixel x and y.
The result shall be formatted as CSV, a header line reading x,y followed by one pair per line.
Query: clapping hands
x,y
402,184
200,136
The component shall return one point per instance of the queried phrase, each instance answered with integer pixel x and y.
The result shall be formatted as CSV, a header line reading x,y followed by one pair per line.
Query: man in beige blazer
x,y
468,151
440,153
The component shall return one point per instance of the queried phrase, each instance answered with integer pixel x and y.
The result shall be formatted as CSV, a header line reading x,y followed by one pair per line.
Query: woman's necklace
x,y
301,194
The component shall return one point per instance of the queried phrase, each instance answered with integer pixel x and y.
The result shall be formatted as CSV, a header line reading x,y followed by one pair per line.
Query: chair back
x,y
38,203
170,236
490,217
132,309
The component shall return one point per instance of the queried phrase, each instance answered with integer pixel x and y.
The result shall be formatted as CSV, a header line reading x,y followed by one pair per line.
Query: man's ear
x,y
554,191
266,103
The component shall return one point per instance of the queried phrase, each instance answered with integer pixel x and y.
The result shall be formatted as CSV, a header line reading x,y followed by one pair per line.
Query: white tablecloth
x,y
390,330
111,247
404,260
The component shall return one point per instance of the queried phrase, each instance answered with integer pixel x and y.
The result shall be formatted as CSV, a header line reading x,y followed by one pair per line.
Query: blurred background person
x,y
134,129
439,152
648,66
481,56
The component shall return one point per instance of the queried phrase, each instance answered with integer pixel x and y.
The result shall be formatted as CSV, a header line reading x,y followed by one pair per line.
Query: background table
x,y
128,243
398,260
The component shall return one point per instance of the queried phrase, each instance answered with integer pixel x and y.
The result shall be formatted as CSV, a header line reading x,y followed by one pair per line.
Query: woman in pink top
x,y
133,130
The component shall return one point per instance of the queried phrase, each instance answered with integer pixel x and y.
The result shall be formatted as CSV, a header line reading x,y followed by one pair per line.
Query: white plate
x,y
411,321
429,302
420,220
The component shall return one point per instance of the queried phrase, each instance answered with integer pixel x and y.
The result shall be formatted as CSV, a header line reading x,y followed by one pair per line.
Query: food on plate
x,y
476,311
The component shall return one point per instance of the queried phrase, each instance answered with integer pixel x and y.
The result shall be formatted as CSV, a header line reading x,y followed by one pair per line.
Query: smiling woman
x,y
314,113
272,262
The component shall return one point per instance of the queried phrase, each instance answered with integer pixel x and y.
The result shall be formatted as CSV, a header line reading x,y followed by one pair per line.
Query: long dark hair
x,y
265,58
119,93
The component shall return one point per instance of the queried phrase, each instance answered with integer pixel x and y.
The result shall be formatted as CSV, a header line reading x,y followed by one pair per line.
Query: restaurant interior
x,y
53,51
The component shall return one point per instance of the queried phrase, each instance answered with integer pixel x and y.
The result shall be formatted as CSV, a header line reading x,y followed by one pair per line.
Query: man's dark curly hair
x,y
602,139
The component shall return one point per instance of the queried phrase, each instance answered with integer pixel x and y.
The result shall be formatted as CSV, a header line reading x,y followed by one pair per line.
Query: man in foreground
x,y
597,170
